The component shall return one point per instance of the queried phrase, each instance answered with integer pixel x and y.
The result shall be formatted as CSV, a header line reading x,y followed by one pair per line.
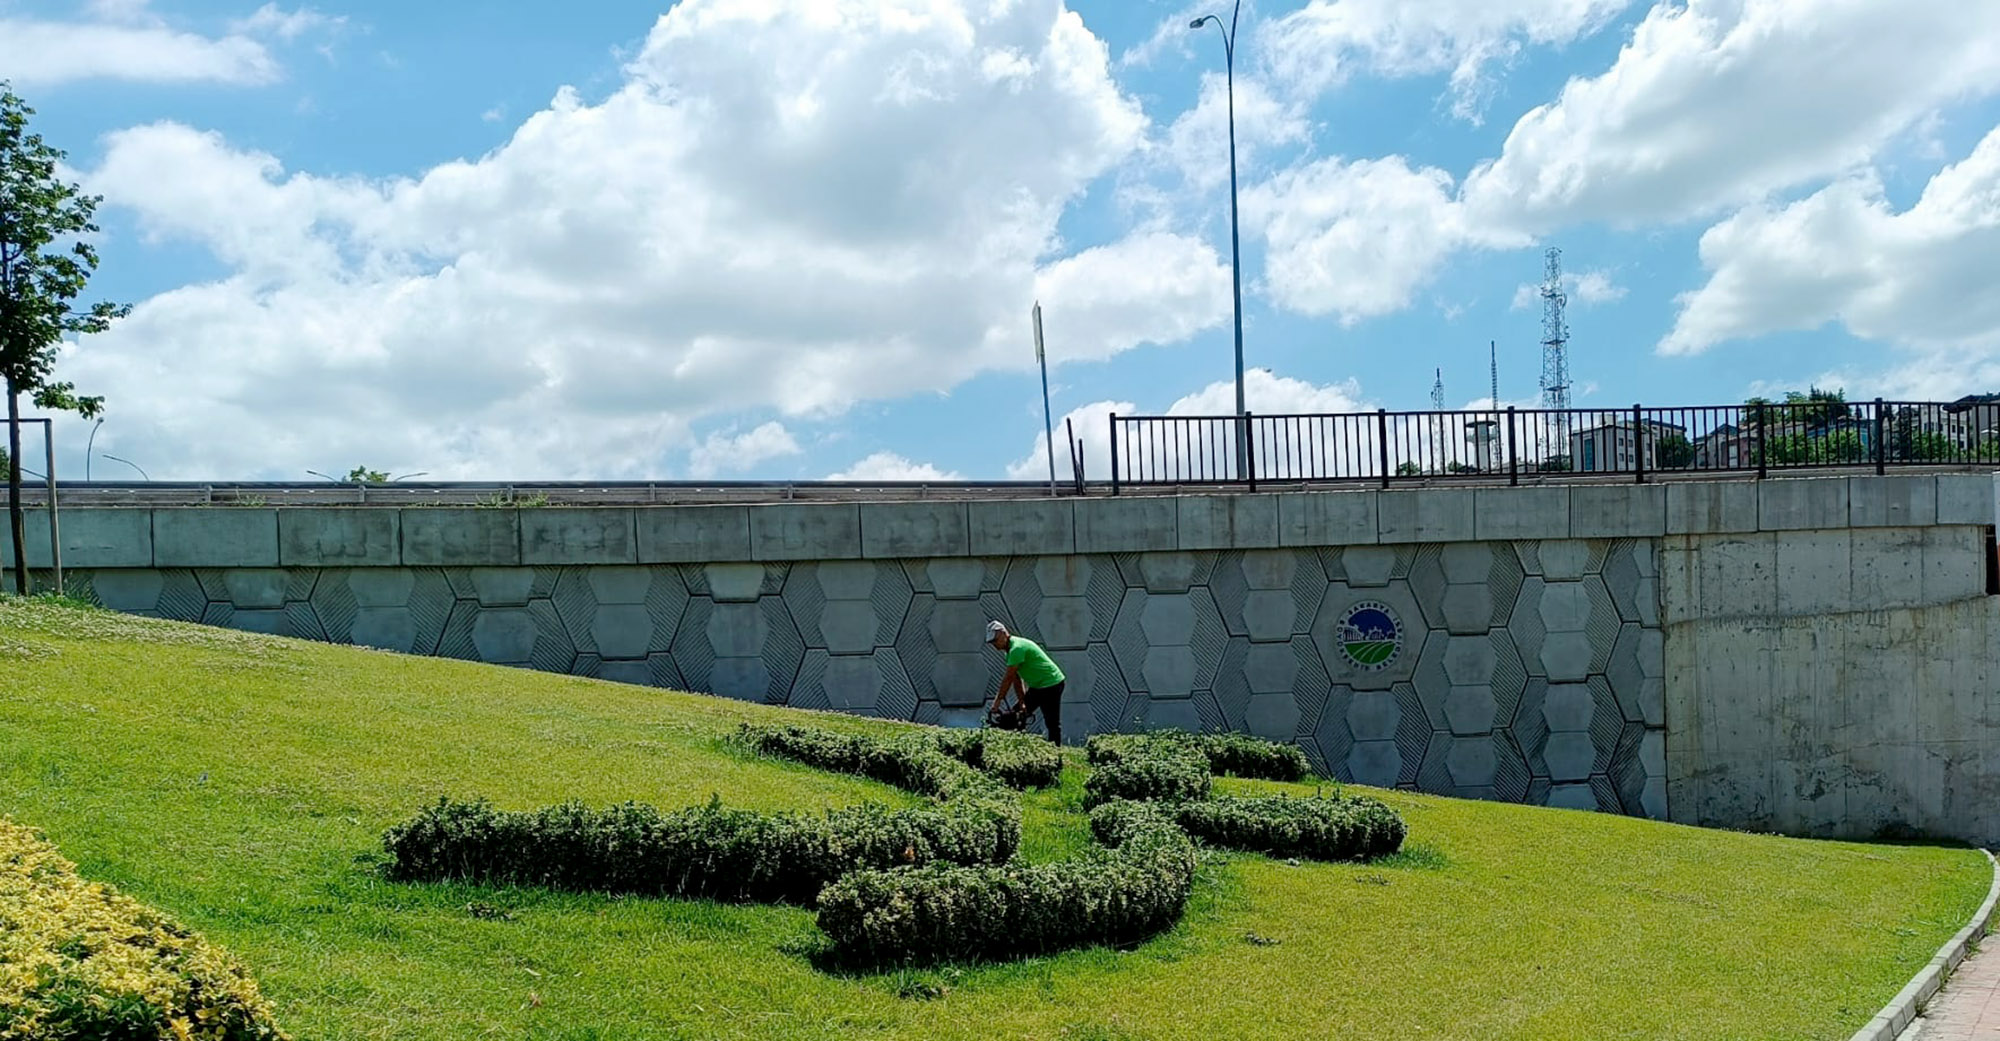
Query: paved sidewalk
x,y
1968,1008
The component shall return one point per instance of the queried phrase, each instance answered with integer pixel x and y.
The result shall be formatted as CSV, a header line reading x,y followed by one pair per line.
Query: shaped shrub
x,y
702,852
1111,895
1163,771
81,960
912,763
1338,828
1016,759
1238,755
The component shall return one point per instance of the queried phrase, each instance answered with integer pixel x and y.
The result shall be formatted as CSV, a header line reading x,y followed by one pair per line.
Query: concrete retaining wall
x,y
1635,649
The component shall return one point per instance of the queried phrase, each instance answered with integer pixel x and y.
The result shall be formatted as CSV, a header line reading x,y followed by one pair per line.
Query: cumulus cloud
x,y
126,40
733,453
1716,103
1324,43
888,466
1358,239
1922,277
1588,287
789,207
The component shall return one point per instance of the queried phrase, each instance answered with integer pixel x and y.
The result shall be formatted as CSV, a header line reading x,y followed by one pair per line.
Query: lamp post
x,y
87,449
1235,255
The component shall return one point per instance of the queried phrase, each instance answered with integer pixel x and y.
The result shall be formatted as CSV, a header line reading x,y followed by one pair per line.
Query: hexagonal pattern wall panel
x,y
1520,671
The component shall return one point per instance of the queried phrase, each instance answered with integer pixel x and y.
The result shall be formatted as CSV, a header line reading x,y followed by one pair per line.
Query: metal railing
x,y
1636,442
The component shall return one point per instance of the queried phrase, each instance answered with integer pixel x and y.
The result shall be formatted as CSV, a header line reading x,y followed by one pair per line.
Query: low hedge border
x,y
1341,827
1230,754
80,960
1016,759
1133,888
1164,772
706,852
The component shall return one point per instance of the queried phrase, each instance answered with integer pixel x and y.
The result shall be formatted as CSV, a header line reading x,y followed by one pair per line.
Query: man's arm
x,y
1012,679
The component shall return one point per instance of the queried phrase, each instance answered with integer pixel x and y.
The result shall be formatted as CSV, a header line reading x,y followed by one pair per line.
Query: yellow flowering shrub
x,y
80,960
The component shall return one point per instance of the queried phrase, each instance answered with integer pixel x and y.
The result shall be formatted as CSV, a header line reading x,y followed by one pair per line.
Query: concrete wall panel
x,y
450,537
215,537
339,538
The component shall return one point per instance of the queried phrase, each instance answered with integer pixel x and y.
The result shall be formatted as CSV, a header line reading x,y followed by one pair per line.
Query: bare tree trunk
x,y
15,520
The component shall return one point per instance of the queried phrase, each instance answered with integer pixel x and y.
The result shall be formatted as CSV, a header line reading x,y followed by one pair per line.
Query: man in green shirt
x,y
1030,671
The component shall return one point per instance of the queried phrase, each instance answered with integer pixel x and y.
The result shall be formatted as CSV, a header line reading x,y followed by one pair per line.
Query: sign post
x,y
1048,417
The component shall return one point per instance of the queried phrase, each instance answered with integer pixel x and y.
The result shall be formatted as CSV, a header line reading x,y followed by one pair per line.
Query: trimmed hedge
x,y
936,765
1018,760
1337,828
1115,895
81,960
912,763
1240,755
1237,755
1162,771
701,852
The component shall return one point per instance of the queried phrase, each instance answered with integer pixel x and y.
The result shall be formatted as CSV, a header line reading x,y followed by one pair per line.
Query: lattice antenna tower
x,y
1555,349
1493,360
1438,447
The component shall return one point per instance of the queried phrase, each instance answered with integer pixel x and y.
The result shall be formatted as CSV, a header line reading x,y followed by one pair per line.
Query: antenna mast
x,y
1555,352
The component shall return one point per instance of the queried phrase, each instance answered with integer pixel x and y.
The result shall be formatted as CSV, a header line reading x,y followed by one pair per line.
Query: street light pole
x,y
87,446
1235,252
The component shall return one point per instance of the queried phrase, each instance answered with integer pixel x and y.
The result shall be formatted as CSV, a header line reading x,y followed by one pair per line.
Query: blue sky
x,y
633,240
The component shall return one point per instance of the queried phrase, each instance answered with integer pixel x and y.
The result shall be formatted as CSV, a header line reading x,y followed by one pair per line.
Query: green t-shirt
x,y
1033,664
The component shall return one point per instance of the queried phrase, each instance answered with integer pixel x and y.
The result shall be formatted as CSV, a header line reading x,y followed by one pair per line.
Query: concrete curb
x,y
1902,1009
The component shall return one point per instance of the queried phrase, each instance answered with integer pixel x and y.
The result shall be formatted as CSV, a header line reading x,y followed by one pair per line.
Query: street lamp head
x,y
1199,22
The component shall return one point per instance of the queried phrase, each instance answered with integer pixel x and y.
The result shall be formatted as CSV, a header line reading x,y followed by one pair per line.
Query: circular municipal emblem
x,y
1370,635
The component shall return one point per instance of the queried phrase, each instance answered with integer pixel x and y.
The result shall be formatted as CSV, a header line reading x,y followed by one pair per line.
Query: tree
x,y
1673,452
45,263
363,475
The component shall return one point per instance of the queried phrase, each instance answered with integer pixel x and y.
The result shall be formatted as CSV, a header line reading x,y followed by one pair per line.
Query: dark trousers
x,y
1048,701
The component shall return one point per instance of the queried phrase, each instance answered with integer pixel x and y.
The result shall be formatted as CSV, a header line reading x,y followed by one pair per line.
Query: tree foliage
x,y
1673,452
46,261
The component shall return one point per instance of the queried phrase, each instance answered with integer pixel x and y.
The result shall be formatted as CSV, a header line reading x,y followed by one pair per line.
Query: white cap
x,y
992,628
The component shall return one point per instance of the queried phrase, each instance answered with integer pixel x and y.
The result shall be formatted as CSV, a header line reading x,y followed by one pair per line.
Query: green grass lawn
x,y
243,783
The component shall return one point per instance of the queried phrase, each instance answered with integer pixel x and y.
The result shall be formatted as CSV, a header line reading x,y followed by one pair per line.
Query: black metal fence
x,y
1384,446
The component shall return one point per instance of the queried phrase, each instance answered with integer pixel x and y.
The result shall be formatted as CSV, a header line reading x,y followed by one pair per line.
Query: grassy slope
x,y
1503,921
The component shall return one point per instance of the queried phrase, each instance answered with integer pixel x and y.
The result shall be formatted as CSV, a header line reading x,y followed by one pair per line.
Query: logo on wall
x,y
1370,635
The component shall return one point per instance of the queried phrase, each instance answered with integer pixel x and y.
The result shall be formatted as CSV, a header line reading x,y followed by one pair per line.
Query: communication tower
x,y
1555,355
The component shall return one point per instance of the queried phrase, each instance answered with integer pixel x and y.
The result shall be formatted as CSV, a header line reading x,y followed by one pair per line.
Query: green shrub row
x,y
1165,771
1133,888
1018,760
913,763
80,960
1233,754
1345,827
936,764
701,852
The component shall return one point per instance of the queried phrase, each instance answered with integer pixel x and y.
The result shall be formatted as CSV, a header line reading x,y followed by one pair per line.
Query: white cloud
x,y
271,20
1716,103
847,201
45,53
1358,239
888,466
1922,277
734,453
1322,44
1196,145
1150,288
1589,287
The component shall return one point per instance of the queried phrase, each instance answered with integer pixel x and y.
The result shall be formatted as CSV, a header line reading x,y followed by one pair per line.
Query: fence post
x,y
1513,450
1114,453
1763,465
1881,449
1382,442
1250,449
55,522
1639,442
